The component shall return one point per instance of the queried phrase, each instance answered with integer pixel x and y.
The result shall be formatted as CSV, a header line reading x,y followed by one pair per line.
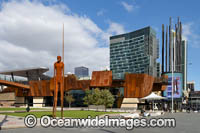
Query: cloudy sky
x,y
31,31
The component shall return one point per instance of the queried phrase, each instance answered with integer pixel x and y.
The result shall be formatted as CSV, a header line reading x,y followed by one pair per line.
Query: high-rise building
x,y
134,52
184,63
190,86
158,69
81,72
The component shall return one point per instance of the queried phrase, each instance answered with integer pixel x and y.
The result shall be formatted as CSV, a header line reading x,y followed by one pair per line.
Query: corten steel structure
x,y
135,85
58,84
13,84
72,83
138,85
101,79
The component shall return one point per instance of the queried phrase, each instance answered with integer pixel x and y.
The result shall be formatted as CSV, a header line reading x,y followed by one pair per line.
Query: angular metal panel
x,y
101,79
138,85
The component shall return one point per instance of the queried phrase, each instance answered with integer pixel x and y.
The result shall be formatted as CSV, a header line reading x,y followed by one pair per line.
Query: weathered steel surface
x,y
46,87
8,89
160,84
58,84
117,83
72,83
40,88
19,92
138,85
13,84
135,85
101,79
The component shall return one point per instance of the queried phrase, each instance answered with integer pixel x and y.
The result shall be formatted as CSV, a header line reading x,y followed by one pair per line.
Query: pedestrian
x,y
165,107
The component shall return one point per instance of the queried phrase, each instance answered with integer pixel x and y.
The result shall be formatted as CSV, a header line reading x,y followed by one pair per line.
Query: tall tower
x,y
134,52
177,50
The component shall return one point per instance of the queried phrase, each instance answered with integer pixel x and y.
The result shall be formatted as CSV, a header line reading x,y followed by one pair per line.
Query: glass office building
x,y
158,69
184,63
81,72
134,52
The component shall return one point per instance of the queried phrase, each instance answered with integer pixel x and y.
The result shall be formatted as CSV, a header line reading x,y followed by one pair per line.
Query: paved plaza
x,y
185,123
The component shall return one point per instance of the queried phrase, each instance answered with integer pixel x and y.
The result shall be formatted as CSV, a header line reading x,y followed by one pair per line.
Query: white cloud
x,y
116,28
101,12
31,35
190,34
127,6
113,29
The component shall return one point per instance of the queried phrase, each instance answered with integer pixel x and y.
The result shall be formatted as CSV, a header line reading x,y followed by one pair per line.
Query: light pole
x,y
172,68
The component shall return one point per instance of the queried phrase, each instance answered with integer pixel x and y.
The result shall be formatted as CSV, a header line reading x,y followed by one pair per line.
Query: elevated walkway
x,y
14,84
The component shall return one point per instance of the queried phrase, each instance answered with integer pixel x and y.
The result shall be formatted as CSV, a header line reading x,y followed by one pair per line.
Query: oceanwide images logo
x,y
45,121
30,121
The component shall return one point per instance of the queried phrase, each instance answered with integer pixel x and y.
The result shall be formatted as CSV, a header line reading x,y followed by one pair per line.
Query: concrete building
x,y
81,72
134,52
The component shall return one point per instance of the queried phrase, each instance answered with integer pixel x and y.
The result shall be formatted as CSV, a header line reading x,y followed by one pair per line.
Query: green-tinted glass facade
x,y
184,63
134,52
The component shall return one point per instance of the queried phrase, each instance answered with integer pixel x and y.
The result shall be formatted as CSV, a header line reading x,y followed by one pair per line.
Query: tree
x,y
69,98
107,98
99,97
88,97
96,96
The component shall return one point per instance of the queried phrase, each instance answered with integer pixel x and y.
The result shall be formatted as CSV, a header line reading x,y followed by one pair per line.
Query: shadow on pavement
x,y
3,121
108,131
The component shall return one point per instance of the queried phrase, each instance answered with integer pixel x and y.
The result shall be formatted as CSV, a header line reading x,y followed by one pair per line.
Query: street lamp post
x,y
172,83
172,67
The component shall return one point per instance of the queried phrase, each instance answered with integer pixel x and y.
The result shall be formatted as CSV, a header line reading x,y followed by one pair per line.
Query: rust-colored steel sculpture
x,y
58,84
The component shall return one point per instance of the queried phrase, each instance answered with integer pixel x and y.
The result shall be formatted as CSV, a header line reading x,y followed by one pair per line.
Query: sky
x,y
31,30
